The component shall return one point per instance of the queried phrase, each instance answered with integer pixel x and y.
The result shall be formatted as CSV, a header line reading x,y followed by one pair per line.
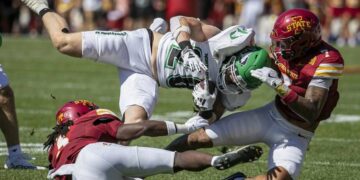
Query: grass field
x,y
37,72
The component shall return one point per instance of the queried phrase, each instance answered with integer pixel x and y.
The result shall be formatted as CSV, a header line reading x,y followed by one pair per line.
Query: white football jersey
x,y
171,74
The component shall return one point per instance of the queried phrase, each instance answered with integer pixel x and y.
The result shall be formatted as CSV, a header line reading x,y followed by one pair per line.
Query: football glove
x,y
203,99
268,76
36,5
195,123
191,61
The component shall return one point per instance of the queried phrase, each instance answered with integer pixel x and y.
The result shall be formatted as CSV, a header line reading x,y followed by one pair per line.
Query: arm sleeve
x,y
321,82
112,127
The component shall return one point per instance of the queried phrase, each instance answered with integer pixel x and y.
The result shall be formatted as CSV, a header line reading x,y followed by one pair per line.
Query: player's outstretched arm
x,y
158,128
65,42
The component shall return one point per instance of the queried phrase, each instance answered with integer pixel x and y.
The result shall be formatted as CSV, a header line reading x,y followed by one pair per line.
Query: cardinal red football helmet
x,y
74,109
295,31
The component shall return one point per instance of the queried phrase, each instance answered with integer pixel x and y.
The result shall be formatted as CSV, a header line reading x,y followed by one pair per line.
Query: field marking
x,y
324,163
25,147
182,116
38,148
337,140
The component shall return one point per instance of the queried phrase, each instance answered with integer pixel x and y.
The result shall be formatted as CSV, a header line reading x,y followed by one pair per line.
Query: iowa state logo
x,y
298,25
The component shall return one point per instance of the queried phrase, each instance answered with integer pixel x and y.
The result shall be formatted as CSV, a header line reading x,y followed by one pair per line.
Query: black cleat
x,y
242,155
236,176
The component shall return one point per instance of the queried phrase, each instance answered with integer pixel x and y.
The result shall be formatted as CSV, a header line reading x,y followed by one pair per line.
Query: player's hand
x,y
36,5
268,76
203,99
195,123
191,61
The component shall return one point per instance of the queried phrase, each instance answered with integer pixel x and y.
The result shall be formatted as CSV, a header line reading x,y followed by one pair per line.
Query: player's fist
x,y
36,5
204,95
191,61
268,76
195,123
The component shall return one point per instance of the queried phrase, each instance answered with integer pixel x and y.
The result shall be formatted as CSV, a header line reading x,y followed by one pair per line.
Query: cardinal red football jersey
x,y
324,61
97,125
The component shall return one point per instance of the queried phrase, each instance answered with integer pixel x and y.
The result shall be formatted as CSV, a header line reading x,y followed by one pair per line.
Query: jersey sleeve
x,y
111,126
331,67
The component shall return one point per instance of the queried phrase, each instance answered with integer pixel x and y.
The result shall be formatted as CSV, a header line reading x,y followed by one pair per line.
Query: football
x,y
250,59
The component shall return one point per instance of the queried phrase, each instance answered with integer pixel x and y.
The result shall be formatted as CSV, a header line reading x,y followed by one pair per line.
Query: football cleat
x,y
20,162
236,176
159,25
242,155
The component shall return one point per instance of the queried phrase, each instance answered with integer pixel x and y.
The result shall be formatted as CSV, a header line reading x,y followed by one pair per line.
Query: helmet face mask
x,y
234,76
228,82
295,31
74,109
284,48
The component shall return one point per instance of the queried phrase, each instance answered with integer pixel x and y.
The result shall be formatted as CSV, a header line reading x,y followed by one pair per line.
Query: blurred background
x,y
340,19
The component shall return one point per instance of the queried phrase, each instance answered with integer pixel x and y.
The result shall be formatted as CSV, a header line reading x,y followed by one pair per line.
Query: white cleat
x,y
159,25
36,5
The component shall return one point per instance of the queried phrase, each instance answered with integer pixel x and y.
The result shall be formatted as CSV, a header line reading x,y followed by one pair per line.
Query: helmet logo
x,y
298,24
244,59
60,118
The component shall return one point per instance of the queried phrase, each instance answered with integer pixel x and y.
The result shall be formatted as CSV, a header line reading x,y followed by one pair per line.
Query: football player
x,y
9,126
83,145
305,78
147,59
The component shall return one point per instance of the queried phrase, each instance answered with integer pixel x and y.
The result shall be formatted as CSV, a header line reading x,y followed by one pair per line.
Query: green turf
x,y
38,73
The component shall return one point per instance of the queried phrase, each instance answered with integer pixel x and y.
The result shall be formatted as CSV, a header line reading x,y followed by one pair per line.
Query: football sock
x,y
14,150
213,160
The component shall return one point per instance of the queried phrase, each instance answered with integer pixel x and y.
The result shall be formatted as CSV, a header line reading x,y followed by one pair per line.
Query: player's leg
x,y
9,125
236,129
112,161
138,96
8,119
197,161
67,43
288,145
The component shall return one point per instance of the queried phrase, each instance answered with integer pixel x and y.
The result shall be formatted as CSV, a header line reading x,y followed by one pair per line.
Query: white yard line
x,y
37,148
338,140
324,163
182,116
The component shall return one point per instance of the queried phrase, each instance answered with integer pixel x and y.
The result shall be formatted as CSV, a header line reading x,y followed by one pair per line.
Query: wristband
x,y
44,11
184,44
291,97
171,127
182,128
282,90
177,32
